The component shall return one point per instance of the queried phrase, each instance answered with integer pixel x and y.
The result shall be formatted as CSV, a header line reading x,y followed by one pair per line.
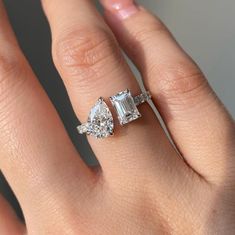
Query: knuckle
x,y
154,27
83,52
11,83
145,35
8,65
181,81
11,70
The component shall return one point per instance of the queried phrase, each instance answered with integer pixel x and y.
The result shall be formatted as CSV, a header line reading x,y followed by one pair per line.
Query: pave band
x,y
100,121
142,98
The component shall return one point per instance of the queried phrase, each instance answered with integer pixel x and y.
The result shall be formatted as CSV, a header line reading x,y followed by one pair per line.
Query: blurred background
x,y
204,28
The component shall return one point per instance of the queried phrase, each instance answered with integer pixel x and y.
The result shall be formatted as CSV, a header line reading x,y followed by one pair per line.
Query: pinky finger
x,y
9,222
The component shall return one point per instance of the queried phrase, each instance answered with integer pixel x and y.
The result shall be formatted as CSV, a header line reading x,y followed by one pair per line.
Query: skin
x,y
144,185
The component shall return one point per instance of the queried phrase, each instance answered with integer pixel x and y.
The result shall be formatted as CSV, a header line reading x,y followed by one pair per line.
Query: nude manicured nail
x,y
121,8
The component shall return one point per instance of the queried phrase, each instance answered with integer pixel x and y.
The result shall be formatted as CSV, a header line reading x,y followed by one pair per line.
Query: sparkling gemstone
x,y
125,107
100,120
82,129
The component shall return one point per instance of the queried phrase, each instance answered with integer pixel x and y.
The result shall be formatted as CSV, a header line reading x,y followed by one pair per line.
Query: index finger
x,y
35,150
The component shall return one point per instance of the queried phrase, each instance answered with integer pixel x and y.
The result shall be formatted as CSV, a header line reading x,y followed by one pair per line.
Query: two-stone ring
x,y
100,123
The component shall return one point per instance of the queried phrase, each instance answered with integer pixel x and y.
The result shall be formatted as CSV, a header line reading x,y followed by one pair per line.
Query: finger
x,y
198,122
9,223
89,60
35,151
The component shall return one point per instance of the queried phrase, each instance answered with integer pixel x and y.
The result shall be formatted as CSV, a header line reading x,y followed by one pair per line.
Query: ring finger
x,y
91,64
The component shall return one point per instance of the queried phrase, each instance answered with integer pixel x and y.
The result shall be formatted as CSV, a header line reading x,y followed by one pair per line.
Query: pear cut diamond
x,y
100,120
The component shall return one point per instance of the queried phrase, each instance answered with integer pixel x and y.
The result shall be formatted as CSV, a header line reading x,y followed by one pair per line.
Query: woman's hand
x,y
144,185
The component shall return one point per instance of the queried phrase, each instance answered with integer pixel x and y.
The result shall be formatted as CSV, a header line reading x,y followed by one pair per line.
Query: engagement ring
x,y
100,123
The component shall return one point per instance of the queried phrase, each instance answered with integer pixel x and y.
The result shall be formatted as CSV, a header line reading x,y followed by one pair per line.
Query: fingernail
x,y
122,9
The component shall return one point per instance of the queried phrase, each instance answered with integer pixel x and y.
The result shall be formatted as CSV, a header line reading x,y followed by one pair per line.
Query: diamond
x,y
82,128
144,97
100,120
125,107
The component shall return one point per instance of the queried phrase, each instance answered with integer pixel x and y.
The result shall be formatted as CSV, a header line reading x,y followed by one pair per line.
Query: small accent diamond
x,y
82,128
140,99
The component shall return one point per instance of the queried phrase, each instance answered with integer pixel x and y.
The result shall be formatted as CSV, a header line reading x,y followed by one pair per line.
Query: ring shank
x,y
142,98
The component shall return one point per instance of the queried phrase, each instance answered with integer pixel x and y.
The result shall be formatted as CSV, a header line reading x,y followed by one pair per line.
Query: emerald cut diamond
x,y
125,107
